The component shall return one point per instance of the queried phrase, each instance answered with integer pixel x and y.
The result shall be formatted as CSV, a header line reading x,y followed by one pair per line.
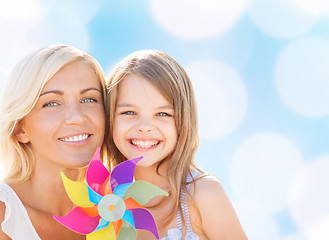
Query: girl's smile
x,y
144,123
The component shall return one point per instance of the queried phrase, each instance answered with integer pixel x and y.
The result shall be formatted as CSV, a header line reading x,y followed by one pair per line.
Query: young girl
x,y
153,114
52,120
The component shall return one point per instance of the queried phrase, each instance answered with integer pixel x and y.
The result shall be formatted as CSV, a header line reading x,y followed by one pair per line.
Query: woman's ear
x,y
20,134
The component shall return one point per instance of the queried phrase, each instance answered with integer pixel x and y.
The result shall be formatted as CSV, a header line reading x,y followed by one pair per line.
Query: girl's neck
x,y
151,175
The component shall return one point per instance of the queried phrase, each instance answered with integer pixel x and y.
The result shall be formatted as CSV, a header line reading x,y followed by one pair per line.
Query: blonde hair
x,y
172,81
21,93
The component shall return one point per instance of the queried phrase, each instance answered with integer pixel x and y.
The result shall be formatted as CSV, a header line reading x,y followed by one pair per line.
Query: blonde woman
x,y
52,120
153,114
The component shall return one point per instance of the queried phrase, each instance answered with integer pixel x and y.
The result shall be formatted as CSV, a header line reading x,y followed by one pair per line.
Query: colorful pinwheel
x,y
110,205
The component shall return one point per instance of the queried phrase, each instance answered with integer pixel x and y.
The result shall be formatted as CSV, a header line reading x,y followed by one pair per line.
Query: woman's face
x,y
67,124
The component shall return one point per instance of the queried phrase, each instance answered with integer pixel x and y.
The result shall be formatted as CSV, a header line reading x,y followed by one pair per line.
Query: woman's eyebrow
x,y
90,89
58,92
53,92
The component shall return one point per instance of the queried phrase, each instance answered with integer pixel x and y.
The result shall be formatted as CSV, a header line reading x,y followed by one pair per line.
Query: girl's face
x,y
67,123
144,123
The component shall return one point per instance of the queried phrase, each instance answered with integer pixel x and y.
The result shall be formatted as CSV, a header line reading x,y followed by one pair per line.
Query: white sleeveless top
x,y
176,233
16,223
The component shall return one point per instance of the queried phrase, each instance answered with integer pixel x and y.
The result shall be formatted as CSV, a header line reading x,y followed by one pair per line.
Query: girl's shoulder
x,y
205,184
217,216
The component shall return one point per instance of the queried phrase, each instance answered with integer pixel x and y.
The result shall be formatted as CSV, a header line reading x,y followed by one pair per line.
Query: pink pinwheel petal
x,y
106,186
144,220
96,173
124,172
79,221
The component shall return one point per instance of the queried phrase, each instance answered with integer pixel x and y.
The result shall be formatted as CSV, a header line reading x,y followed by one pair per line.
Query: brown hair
x,y
172,81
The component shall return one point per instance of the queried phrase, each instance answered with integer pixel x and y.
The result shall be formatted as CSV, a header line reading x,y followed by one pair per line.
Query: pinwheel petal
x,y
144,220
91,211
77,192
131,203
106,186
77,220
96,173
94,197
128,216
121,189
102,224
117,226
142,192
124,172
107,233
127,231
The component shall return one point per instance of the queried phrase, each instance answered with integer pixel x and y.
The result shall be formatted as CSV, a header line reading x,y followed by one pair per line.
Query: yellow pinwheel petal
x,y
77,192
106,233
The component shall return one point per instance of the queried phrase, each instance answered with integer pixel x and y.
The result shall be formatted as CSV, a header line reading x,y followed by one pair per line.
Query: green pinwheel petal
x,y
142,192
127,231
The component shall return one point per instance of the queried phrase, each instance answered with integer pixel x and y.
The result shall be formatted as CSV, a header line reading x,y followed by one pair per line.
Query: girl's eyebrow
x,y
124,105
61,93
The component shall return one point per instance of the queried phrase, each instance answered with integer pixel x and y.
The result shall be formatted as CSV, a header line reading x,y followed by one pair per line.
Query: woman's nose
x,y
74,115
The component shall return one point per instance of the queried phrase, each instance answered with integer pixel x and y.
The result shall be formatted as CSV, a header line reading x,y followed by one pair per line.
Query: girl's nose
x,y
144,125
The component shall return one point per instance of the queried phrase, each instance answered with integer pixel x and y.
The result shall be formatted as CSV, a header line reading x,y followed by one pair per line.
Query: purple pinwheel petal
x,y
96,173
78,221
144,220
124,172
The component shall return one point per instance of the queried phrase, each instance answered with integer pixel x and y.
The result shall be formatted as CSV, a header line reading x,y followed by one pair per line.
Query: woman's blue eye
x,y
51,104
88,100
163,114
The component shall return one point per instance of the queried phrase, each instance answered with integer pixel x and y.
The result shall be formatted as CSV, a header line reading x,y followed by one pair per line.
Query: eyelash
x,y
128,113
54,104
50,104
164,114
161,114
89,100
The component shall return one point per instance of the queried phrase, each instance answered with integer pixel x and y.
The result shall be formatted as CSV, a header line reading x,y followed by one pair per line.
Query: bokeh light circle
x,y
221,97
314,7
280,19
251,224
3,78
196,19
302,76
262,168
309,197
20,10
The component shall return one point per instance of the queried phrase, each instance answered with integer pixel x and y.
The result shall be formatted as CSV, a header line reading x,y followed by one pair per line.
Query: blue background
x,y
260,69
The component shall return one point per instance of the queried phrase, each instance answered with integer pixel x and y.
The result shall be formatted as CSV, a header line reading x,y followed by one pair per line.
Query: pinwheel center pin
x,y
111,207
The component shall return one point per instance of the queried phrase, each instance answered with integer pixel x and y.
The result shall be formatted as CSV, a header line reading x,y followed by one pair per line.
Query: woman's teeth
x,y
145,144
75,138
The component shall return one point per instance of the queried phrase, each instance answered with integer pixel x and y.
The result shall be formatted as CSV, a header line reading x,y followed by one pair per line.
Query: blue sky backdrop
x,y
260,69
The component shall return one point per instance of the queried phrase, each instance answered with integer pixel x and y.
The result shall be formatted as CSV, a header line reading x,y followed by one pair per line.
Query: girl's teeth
x,y
145,144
